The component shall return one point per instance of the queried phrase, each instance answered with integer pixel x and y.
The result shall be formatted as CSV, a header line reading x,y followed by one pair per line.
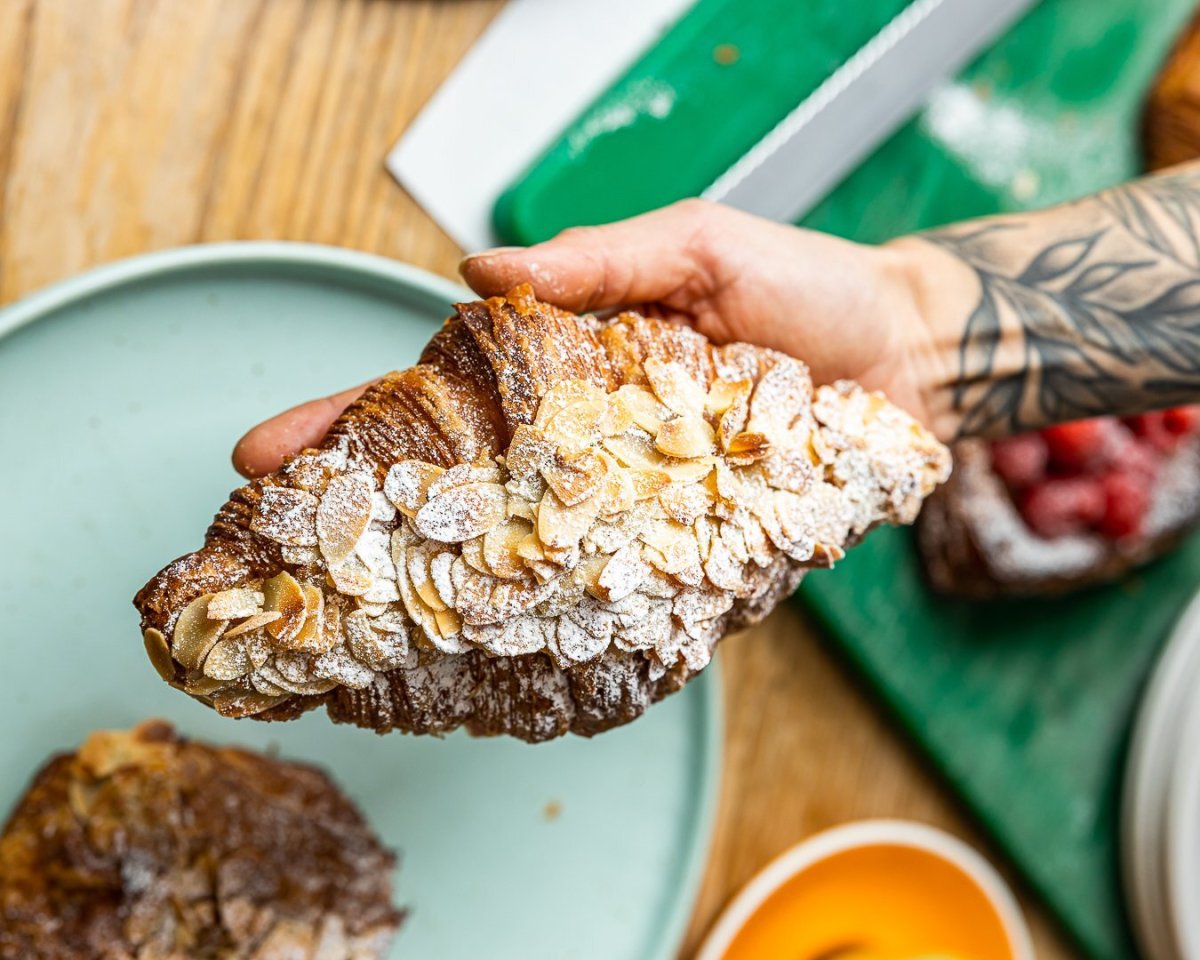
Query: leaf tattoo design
x,y
1072,322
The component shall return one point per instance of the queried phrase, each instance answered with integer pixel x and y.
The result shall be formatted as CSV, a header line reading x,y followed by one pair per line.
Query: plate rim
x,y
403,280
1144,795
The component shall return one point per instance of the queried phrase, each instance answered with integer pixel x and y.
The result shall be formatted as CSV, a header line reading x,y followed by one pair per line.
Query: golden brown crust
x,y
641,491
142,845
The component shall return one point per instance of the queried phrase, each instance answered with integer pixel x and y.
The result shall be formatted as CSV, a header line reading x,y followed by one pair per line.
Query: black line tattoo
x,y
1087,309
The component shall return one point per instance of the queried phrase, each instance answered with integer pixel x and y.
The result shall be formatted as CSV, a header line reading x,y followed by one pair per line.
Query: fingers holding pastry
x,y
654,257
264,447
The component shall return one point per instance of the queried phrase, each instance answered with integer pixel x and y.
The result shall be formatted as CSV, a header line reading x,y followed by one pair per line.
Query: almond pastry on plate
x,y
145,846
1071,505
543,527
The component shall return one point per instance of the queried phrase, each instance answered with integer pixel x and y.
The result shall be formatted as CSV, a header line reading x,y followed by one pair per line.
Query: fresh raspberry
x,y
1082,445
1151,428
1126,500
1182,421
1020,461
1063,506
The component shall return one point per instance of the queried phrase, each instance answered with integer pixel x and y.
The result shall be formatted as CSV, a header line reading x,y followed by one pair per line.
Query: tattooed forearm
x,y
1090,308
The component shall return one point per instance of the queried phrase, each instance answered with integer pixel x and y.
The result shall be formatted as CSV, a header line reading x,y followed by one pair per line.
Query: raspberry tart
x,y
1073,504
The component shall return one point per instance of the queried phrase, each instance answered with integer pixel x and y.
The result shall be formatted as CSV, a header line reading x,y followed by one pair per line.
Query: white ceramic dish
x,y
1147,786
121,394
1182,834
870,833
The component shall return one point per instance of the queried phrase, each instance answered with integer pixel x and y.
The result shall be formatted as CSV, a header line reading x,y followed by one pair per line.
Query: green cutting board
x,y
1024,707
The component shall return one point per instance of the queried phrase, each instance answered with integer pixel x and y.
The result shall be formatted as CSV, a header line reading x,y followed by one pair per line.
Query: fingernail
x,y
488,254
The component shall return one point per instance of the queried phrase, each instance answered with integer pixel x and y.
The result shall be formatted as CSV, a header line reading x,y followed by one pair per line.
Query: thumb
x,y
643,259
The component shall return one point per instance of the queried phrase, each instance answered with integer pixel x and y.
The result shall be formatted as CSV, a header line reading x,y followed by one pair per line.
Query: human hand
x,y
848,311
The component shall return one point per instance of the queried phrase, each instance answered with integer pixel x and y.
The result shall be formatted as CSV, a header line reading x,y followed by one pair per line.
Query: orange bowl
x,y
873,890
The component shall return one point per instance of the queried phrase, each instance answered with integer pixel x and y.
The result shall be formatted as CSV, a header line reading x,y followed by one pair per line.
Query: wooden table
x,y
132,125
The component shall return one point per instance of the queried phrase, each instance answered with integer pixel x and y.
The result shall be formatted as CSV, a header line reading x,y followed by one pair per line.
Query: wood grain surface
x,y
134,125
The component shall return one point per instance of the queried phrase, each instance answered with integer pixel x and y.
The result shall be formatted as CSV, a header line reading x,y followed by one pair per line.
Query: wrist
x,y
934,292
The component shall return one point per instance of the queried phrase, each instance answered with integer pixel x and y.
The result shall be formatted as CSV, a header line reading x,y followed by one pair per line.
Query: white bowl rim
x,y
869,833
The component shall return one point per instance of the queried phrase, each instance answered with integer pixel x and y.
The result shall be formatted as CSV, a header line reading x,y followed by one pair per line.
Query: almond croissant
x,y
545,526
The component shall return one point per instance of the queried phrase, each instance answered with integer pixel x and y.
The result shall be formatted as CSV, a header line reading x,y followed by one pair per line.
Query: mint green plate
x,y
118,408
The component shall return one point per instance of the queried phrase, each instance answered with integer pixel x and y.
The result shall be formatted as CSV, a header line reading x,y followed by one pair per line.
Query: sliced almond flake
x,y
331,625
394,621
238,703
624,573
723,570
530,549
577,426
311,638
339,666
343,515
563,394
440,573
747,447
352,578
500,550
789,469
688,471
227,660
685,503
199,685
723,394
253,623
588,571
407,484
374,549
284,595
463,473
572,644
521,510
574,480
258,648
286,516
234,604
382,591
194,634
647,483
293,666
518,637
379,651
263,685
383,511
371,609
635,449
733,420
705,532
781,395
675,386
617,417
530,489
159,653
300,556
462,512
609,536
674,543
562,527
639,406
449,624
616,493
686,438
529,451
